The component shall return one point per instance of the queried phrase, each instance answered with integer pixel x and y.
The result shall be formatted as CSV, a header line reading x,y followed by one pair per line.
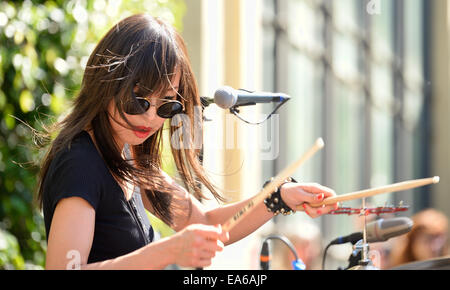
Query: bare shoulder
x,y
73,213
74,203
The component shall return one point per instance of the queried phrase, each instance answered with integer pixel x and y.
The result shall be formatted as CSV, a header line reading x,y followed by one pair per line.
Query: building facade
x,y
369,77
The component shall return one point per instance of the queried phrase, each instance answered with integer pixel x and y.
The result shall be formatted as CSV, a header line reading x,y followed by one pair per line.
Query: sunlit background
x,y
369,77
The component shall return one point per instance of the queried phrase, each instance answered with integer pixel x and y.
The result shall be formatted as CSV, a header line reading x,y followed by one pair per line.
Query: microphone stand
x,y
362,248
205,101
359,258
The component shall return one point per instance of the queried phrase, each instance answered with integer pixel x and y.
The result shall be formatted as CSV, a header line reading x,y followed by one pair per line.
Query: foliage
x,y
44,46
10,257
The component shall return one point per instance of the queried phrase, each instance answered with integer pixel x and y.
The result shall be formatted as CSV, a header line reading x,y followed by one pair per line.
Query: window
x,y
357,80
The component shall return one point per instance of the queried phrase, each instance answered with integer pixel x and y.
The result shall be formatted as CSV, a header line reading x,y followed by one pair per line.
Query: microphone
x,y
382,230
227,97
378,231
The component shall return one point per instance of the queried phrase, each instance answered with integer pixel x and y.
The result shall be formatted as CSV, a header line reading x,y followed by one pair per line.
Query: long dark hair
x,y
139,49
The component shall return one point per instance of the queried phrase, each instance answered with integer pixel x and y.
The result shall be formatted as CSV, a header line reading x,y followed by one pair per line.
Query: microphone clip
x,y
358,261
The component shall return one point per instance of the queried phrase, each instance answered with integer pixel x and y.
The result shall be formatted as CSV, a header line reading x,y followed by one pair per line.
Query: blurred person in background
x,y
428,239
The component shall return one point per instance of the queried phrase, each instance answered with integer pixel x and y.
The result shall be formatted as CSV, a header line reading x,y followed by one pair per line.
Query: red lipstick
x,y
143,132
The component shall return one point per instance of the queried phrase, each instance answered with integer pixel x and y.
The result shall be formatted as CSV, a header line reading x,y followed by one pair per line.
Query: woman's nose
x,y
151,113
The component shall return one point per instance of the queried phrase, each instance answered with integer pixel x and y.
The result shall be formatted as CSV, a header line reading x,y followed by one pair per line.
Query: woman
x,y
137,77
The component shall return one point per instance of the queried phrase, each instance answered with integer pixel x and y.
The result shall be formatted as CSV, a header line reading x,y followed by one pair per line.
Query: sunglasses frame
x,y
157,108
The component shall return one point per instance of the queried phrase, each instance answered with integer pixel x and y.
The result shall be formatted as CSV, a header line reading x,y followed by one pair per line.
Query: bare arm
x,y
186,201
293,194
254,220
72,231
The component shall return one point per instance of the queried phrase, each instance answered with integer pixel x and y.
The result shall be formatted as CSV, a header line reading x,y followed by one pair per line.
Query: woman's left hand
x,y
307,194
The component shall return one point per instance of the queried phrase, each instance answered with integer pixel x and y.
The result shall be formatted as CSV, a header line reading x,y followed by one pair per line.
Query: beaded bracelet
x,y
275,203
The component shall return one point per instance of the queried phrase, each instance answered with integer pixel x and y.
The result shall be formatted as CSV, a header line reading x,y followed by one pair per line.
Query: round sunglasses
x,y
139,105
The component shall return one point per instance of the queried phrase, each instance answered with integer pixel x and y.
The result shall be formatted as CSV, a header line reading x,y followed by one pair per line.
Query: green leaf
x,y
26,101
32,63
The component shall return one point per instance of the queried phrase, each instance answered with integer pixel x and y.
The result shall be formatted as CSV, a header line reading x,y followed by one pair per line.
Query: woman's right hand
x,y
196,245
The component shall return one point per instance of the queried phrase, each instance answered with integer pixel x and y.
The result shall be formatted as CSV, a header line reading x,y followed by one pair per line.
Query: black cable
x,y
325,255
235,111
284,240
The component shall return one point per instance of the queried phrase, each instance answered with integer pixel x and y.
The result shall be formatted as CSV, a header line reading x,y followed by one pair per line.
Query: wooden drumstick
x,y
272,186
375,191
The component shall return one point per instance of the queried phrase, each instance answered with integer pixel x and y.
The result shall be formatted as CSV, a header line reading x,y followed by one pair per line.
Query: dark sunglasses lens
x,y
136,106
168,110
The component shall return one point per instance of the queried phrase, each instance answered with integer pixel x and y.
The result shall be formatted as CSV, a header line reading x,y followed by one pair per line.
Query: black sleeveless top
x,y
121,226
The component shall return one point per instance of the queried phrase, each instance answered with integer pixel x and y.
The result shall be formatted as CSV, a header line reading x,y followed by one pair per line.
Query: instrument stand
x,y
362,248
359,259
